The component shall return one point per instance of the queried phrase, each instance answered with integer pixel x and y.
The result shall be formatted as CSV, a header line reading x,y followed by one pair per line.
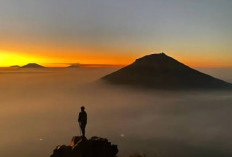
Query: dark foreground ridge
x,y
32,65
83,147
163,72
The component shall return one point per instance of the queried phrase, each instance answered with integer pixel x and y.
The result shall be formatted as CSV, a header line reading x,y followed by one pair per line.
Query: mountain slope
x,y
163,72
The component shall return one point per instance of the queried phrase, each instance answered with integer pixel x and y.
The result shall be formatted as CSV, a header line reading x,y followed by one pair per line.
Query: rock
x,y
62,151
83,147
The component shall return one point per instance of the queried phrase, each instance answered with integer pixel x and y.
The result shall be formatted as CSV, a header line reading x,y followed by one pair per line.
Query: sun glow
x,y
10,58
13,58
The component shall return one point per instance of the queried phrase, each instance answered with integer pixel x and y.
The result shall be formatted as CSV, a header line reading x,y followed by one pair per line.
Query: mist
x,y
39,109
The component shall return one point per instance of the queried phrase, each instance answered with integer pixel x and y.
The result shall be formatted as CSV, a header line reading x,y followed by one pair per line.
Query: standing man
x,y
82,119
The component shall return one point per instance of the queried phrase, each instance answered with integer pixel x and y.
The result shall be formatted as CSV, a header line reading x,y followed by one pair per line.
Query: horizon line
x,y
100,65
69,64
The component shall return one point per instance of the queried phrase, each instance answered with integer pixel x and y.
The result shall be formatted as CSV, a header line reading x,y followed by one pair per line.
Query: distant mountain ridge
x,y
77,65
163,72
33,65
15,66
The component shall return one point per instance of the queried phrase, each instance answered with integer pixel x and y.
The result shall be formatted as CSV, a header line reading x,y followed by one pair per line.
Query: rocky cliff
x,y
83,147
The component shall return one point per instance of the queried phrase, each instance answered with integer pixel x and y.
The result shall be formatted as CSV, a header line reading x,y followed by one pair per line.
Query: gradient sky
x,y
50,32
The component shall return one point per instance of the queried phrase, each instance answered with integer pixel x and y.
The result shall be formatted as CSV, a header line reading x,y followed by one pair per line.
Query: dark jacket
x,y
82,117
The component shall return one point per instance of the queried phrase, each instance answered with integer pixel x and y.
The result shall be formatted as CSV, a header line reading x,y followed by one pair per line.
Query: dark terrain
x,y
83,147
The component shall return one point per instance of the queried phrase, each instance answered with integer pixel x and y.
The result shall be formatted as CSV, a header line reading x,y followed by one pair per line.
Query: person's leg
x,y
83,130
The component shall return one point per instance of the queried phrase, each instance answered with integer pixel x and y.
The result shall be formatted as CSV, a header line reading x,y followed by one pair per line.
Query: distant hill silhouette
x,y
32,65
163,72
74,66
15,66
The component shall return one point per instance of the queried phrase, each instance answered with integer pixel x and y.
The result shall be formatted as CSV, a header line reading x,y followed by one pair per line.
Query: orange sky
x,y
9,58
15,52
54,59
55,56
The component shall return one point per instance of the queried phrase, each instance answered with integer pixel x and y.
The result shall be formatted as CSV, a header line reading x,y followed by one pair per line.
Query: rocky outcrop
x,y
83,147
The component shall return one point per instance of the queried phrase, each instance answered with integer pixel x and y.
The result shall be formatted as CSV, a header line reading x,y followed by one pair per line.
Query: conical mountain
x,y
163,72
33,65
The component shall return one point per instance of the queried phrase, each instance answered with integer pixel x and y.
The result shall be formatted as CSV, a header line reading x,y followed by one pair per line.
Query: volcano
x,y
163,72
32,65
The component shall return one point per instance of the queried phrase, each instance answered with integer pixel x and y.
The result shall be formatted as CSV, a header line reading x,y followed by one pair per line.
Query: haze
x,y
39,108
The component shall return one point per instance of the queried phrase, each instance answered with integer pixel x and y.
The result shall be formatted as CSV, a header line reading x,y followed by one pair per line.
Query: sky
x,y
53,32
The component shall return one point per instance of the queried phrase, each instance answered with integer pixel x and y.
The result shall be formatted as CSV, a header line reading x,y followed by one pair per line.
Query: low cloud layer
x,y
39,110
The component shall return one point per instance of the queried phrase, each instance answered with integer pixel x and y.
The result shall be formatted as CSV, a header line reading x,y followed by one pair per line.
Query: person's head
x,y
82,108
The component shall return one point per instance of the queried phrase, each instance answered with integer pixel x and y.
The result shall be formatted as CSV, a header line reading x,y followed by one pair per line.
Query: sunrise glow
x,y
12,58
8,58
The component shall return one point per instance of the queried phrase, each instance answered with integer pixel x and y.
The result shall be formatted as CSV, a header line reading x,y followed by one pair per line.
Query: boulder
x,y
83,147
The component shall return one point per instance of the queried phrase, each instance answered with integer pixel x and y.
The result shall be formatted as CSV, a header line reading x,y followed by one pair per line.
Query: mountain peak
x,y
153,56
32,65
163,72
159,61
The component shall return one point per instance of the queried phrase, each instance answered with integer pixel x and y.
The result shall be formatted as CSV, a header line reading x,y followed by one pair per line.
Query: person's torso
x,y
83,117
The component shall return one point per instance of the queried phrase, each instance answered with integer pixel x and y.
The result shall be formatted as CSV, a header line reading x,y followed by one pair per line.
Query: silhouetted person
x,y
82,119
